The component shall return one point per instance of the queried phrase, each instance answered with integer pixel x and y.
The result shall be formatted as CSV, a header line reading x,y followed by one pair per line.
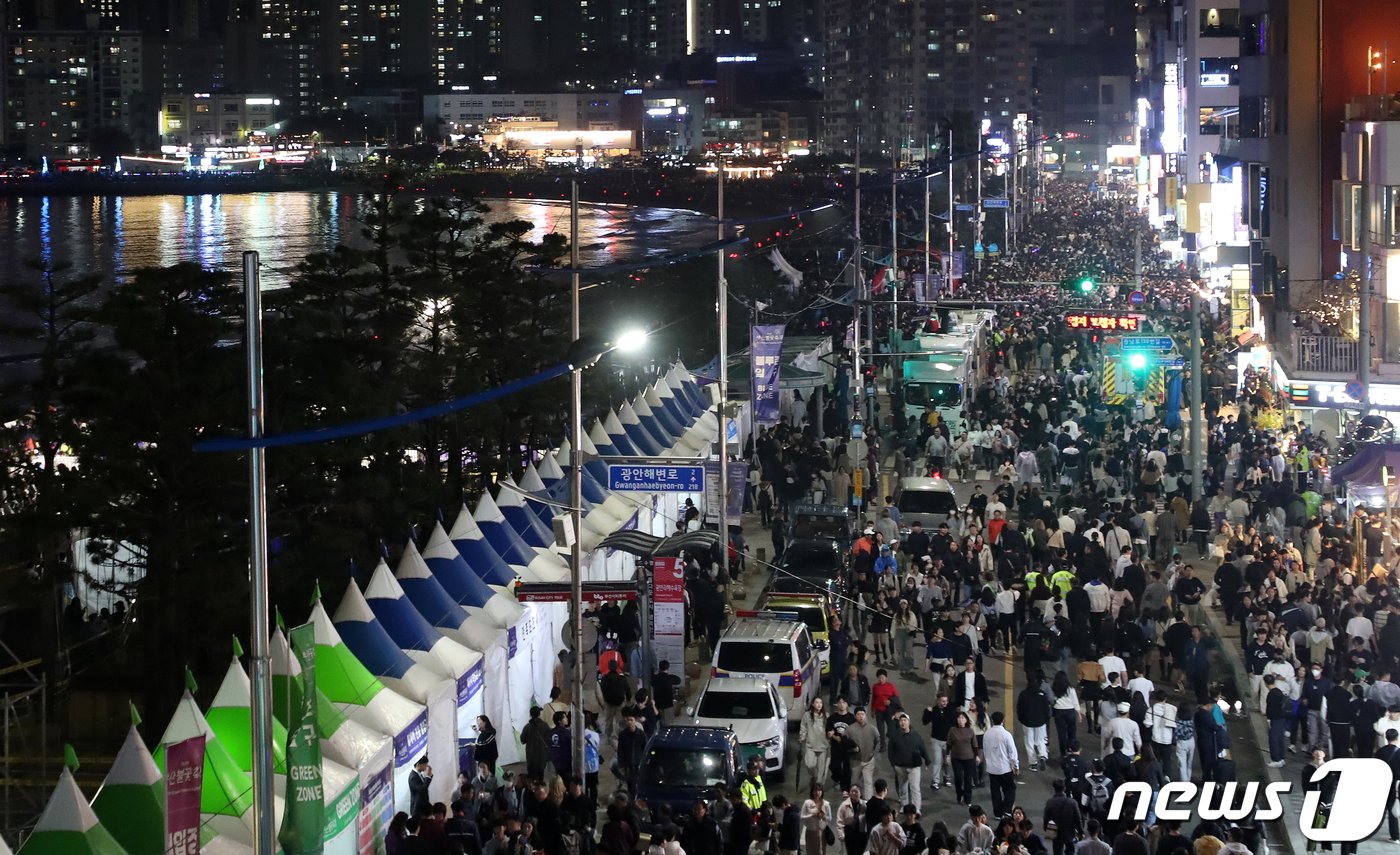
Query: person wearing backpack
x,y
1076,771
1098,792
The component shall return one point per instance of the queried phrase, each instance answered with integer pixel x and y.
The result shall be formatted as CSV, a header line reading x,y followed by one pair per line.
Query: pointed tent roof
x,y
540,496
549,469
343,739
477,551
629,422
667,416
5,847
648,420
231,717
227,797
366,638
414,635
68,826
540,565
620,440
131,802
530,527
450,574
349,684
593,492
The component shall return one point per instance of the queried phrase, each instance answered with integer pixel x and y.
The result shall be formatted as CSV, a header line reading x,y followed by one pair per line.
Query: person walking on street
x,y
963,757
816,821
908,755
940,718
1278,709
1061,815
813,740
850,823
1033,713
975,835
1003,764
862,738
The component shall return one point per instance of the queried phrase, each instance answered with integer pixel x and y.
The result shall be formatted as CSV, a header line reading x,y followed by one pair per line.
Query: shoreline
x,y
607,188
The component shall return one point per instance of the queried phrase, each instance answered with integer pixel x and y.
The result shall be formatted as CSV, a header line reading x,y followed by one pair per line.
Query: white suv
x,y
753,710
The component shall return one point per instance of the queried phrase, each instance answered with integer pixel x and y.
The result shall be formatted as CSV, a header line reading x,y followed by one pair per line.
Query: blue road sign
x,y
1146,342
1137,298
964,208
1355,391
996,203
1172,362
652,478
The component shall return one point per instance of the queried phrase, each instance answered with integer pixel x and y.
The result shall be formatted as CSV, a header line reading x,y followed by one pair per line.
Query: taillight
x,y
796,683
714,672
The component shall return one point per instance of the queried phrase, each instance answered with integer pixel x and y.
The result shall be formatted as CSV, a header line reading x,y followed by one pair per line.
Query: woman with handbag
x,y
816,822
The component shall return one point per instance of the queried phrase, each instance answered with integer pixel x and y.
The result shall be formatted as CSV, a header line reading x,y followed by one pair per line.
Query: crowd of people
x,y
1079,555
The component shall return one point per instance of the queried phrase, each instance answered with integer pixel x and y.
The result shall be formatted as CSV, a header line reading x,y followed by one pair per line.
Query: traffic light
x,y
1085,285
1137,361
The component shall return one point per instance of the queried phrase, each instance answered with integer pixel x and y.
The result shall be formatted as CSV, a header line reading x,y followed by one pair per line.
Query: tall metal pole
x,y
952,212
894,248
264,818
1137,258
928,282
723,297
1364,337
576,485
1011,213
1198,419
978,214
857,293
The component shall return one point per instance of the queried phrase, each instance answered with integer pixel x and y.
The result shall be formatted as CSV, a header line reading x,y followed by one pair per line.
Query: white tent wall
x,y
408,747
442,740
471,702
497,702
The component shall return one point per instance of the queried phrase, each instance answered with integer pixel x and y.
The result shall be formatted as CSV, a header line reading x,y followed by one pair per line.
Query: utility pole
x,y
952,211
723,297
1137,258
894,248
1364,338
1198,419
856,293
977,248
576,482
264,816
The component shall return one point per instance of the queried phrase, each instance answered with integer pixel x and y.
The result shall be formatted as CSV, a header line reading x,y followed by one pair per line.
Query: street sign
x,y
966,209
1172,362
1137,298
1355,391
996,203
559,592
1100,321
647,478
1147,342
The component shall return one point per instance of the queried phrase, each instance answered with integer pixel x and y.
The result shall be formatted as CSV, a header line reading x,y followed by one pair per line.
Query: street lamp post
x,y
576,484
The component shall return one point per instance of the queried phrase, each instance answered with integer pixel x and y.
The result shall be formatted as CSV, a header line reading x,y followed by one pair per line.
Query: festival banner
x,y
184,784
766,350
303,823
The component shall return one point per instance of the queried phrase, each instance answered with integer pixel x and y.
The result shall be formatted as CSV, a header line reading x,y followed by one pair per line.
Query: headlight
x,y
772,747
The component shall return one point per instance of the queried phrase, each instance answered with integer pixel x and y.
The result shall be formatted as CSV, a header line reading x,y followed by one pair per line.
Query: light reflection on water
x,y
115,235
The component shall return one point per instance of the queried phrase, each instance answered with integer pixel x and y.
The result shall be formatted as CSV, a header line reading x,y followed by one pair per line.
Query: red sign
x,y
668,580
184,784
1101,321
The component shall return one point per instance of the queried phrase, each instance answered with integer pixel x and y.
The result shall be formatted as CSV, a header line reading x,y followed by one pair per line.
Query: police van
x,y
777,651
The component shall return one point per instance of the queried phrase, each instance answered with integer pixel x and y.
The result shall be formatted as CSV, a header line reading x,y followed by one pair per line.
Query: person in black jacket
x,y
1390,753
702,835
854,687
1062,814
740,827
1033,713
978,684
1211,738
1117,765
631,750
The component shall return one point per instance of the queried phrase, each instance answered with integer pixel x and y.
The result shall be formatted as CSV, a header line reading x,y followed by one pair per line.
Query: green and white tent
x,y
230,716
361,696
226,807
131,802
69,826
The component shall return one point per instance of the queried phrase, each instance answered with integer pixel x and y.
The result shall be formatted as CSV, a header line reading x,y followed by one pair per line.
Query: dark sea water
x,y
115,235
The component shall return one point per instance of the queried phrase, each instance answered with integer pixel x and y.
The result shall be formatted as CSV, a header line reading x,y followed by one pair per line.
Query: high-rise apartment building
x,y
64,87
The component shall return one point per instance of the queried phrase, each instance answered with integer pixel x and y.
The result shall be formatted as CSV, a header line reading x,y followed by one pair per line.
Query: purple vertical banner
x,y
184,784
766,352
